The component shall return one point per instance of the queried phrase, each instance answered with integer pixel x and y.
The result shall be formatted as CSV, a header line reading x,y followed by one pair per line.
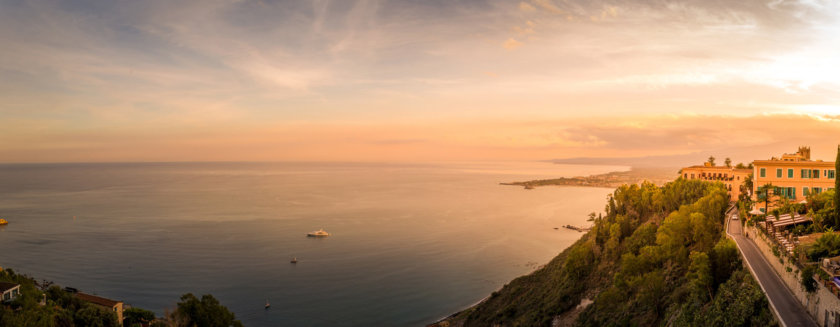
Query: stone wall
x,y
822,305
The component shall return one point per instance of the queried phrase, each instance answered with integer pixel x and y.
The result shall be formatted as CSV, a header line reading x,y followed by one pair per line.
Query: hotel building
x,y
793,176
731,177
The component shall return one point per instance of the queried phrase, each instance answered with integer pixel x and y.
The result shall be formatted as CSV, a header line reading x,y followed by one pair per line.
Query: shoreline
x,y
636,175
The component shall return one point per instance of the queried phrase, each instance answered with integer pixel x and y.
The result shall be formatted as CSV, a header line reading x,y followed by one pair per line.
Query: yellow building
x,y
793,177
115,306
733,178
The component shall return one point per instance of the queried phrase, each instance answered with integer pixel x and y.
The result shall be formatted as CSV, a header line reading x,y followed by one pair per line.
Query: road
x,y
790,311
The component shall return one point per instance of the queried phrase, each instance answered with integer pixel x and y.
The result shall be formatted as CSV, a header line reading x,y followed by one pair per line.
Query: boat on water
x,y
3,221
294,260
318,233
267,305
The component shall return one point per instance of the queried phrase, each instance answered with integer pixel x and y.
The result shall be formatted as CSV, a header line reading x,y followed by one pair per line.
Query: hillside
x,y
658,257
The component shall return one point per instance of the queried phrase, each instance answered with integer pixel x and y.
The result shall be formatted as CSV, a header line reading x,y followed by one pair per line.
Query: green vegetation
x,y
50,306
807,278
61,309
205,312
821,207
133,317
826,246
658,257
837,191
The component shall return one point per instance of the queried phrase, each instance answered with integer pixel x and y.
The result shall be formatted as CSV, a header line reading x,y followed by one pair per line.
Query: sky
x,y
424,80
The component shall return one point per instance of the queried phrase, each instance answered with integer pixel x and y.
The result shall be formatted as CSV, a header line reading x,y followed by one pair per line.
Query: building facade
x,y
791,177
733,178
115,306
9,291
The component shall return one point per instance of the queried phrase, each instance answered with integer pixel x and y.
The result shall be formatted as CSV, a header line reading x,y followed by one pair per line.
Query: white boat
x,y
318,233
294,260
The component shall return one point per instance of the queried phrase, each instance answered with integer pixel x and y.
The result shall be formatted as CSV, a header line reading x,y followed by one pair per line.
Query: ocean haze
x,y
410,244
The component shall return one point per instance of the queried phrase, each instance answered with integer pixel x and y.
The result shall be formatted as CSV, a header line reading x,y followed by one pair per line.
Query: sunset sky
x,y
416,80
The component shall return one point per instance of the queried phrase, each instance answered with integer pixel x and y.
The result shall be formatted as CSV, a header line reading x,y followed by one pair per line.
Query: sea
x,y
410,243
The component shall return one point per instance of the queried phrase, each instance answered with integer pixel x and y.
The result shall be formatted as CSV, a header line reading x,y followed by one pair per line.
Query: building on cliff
x,y
791,177
732,178
115,306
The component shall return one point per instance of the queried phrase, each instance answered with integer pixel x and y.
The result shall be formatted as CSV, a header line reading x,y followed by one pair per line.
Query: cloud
x,y
549,6
511,44
526,7
743,138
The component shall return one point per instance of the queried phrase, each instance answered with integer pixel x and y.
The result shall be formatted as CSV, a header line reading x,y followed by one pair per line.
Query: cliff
x,y
658,257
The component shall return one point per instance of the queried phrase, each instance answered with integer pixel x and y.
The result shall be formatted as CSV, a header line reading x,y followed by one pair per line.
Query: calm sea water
x,y
410,244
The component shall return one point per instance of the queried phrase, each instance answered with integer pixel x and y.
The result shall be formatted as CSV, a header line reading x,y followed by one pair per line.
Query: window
x,y
762,210
805,191
778,172
831,173
806,173
762,173
692,176
817,190
790,173
816,173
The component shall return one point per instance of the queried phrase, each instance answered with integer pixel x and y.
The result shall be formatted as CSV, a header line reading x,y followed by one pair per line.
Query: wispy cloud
x,y
152,67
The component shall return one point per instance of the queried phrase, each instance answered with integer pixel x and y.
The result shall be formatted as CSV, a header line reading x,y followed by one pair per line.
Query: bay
x,y
411,243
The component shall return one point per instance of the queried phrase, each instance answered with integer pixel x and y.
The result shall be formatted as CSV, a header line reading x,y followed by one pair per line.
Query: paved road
x,y
790,311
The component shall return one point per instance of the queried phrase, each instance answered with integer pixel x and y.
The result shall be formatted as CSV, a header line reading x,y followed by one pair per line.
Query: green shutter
x,y
816,173
805,191
790,173
778,172
763,172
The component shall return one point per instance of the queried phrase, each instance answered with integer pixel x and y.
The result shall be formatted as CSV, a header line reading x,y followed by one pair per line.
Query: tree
x,y
136,316
204,312
699,273
837,190
728,162
94,316
807,275
764,194
712,161
740,165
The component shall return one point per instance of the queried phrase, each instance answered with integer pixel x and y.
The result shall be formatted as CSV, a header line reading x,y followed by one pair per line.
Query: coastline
x,y
636,175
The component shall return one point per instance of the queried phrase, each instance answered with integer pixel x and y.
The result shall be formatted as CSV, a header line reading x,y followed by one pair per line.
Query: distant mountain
x,y
647,161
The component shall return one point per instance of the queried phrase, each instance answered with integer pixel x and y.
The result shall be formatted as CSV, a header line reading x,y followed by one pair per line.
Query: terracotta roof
x,y
720,167
97,300
4,286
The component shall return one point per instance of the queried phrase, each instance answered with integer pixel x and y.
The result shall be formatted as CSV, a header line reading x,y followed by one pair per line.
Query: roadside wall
x,y
822,305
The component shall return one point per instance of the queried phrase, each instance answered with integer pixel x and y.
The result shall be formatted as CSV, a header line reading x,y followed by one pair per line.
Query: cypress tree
x,y
837,190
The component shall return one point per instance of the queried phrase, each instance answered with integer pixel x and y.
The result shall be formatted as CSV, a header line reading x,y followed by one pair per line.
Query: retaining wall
x,y
823,305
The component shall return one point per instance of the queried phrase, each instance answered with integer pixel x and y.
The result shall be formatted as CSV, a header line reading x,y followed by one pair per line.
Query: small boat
x,y
294,260
267,305
3,222
318,233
